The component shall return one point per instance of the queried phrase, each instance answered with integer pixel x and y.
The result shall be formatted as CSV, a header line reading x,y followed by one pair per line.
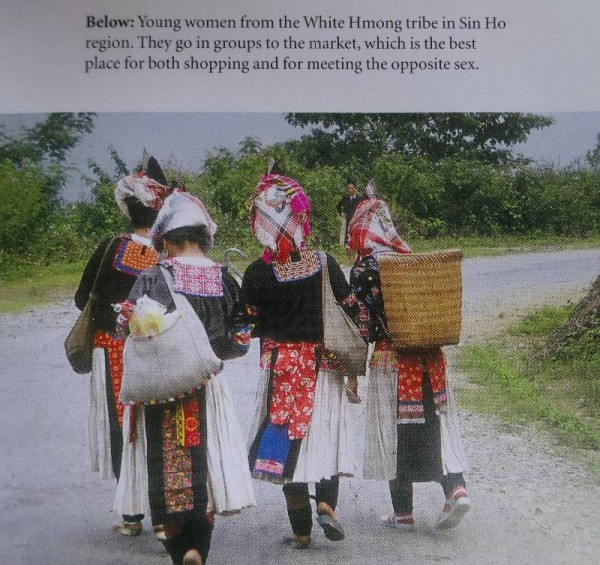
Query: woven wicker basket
x,y
422,293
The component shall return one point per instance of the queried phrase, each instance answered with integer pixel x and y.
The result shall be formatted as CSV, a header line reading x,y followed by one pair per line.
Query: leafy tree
x,y
32,176
593,156
47,144
338,138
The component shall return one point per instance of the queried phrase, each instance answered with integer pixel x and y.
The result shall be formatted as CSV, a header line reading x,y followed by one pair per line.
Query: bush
x,y
21,195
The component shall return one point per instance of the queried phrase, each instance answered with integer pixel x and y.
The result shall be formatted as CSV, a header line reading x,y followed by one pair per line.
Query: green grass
x,y
39,285
561,394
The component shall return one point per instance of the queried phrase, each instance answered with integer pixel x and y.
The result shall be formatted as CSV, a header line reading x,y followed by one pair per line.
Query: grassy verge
x,y
29,285
561,394
39,285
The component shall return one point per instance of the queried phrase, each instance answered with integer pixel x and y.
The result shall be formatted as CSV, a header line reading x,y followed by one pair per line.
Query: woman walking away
x,y
196,460
300,432
411,421
111,273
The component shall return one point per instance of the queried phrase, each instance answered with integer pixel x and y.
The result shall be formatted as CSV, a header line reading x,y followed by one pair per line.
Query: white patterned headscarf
x,y
178,210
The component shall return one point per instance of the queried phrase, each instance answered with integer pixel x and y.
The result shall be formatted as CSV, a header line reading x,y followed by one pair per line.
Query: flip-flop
x,y
332,528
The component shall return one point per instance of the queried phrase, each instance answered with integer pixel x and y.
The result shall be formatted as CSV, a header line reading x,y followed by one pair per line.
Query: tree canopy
x,y
32,176
361,138
50,139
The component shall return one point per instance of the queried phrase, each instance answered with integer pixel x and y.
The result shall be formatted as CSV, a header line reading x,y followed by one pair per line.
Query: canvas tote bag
x,y
171,364
340,335
79,345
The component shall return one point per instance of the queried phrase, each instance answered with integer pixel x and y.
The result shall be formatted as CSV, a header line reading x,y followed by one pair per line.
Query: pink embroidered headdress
x,y
280,216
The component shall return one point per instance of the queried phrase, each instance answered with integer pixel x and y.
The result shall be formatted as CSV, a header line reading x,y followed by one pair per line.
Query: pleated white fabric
x,y
381,434
328,447
98,423
131,497
229,482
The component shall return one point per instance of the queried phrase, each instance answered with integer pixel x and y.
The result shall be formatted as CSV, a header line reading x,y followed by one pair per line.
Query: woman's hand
x,y
352,391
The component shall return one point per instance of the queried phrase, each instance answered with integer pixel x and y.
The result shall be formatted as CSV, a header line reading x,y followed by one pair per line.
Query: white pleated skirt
x,y
381,432
229,483
328,449
98,422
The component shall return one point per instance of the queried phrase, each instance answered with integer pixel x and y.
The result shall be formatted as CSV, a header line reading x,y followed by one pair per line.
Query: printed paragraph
x,y
311,43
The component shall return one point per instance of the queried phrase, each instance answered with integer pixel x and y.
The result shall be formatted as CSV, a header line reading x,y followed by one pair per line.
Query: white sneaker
x,y
405,522
457,505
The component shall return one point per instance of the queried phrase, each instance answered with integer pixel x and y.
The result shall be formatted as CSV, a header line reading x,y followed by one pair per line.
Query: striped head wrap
x,y
371,230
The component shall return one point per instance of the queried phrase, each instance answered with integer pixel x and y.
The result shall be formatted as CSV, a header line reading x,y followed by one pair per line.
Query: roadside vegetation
x,y
522,381
451,180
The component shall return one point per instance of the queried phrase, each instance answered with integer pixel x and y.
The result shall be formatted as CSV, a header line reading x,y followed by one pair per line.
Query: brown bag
x,y
79,344
340,335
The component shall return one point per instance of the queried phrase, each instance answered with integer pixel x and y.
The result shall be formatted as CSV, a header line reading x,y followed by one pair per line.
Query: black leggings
x,y
401,491
298,502
195,534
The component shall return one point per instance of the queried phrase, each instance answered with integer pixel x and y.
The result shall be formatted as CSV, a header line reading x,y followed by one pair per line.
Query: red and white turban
x,y
371,230
149,192
280,216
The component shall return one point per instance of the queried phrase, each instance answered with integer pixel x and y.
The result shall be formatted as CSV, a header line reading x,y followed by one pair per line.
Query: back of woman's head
x,y
199,235
141,216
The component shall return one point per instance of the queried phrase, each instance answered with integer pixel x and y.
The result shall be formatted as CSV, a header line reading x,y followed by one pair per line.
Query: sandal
x,y
298,542
327,520
159,532
128,528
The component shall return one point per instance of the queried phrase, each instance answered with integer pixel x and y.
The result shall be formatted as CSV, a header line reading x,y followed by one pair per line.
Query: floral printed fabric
x,y
411,367
366,284
293,386
114,348
177,471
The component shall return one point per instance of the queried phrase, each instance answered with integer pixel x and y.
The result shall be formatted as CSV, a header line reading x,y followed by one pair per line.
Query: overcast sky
x,y
190,137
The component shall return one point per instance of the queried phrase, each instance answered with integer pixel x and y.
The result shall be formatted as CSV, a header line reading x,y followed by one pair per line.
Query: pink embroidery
x,y
198,280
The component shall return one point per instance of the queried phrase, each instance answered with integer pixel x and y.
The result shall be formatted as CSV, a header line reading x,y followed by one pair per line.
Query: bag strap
x,y
181,302
327,291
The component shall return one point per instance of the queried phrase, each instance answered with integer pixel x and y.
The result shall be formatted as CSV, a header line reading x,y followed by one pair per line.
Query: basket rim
x,y
439,256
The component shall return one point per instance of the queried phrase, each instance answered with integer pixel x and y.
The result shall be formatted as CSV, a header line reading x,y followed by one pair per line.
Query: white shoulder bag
x,y
171,364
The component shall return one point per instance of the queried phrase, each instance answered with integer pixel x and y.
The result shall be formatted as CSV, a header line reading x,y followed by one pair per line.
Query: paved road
x,y
531,503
